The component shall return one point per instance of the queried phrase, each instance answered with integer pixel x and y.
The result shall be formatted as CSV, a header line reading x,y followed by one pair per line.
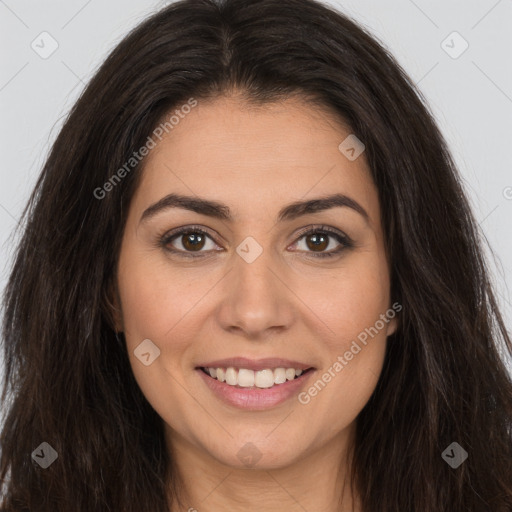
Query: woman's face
x,y
254,285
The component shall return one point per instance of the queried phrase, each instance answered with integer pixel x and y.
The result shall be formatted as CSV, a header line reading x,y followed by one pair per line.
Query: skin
x,y
287,303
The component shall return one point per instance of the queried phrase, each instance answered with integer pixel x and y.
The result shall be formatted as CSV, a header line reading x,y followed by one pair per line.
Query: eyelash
x,y
344,240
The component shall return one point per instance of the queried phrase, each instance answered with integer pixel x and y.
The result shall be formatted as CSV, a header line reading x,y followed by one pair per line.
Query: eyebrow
x,y
221,211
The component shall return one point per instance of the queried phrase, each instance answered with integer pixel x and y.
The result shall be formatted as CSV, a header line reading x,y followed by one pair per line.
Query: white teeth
x,y
231,377
290,373
248,378
245,378
279,375
264,379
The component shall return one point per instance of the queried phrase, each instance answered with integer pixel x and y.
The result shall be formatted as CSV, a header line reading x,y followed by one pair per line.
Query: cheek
x,y
156,307
148,307
352,298
166,306
351,304
155,300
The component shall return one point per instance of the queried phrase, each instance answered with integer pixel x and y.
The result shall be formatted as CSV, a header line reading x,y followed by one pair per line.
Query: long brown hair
x,y
68,379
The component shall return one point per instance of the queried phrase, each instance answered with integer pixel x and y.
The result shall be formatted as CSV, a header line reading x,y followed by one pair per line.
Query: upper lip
x,y
255,364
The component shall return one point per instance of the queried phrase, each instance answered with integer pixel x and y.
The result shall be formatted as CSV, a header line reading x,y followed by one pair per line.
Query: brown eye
x,y
193,241
188,241
317,241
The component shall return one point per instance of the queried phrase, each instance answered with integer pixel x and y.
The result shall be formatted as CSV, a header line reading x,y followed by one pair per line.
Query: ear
x,y
394,321
392,326
112,306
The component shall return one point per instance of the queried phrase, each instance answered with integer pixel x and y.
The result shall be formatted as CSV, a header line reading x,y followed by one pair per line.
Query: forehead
x,y
256,158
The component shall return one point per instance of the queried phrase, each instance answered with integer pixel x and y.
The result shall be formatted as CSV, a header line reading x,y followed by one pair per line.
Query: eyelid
x,y
344,240
186,229
313,228
167,237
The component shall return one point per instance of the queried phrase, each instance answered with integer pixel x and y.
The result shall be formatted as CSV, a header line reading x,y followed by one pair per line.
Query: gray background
x,y
470,95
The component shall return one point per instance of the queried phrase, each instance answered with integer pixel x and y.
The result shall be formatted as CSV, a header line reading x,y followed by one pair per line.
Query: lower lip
x,y
255,399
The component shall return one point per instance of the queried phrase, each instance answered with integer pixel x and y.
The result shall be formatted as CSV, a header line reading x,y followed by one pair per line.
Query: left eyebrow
x,y
221,211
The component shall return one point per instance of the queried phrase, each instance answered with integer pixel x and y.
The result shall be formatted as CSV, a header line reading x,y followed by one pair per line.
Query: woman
x,y
250,279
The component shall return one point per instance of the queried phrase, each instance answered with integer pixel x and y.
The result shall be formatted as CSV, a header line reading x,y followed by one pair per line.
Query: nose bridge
x,y
256,297
255,267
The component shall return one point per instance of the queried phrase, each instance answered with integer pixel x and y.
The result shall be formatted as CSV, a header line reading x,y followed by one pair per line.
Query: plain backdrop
x,y
458,52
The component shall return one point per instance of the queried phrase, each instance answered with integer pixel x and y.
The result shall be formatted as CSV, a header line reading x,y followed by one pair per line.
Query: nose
x,y
257,300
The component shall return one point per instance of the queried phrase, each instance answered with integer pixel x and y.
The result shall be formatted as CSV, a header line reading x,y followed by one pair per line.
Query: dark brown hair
x,y
68,379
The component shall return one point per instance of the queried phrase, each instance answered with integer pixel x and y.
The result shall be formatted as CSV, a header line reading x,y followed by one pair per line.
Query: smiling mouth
x,y
250,379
